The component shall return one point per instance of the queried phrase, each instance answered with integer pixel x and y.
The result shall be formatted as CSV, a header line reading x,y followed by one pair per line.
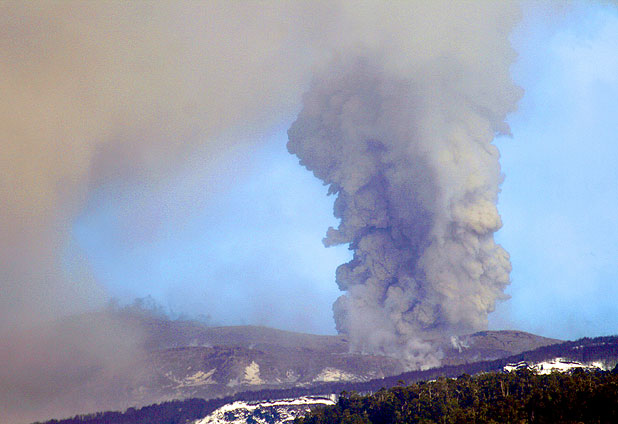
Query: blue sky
x,y
241,244
257,237
559,201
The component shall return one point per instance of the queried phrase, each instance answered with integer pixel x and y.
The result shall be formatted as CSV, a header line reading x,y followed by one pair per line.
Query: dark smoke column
x,y
416,180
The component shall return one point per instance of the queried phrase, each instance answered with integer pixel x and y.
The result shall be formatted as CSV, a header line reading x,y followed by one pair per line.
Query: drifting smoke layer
x,y
111,94
405,144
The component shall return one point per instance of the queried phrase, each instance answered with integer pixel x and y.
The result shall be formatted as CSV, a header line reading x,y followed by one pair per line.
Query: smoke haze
x,y
405,101
101,94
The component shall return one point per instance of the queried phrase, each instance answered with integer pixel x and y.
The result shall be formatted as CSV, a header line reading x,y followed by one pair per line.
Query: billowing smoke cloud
x,y
402,135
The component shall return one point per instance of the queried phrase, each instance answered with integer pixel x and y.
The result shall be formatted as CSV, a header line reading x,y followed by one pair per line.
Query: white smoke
x,y
403,137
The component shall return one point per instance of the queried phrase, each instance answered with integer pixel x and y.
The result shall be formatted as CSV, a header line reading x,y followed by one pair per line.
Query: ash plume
x,y
403,137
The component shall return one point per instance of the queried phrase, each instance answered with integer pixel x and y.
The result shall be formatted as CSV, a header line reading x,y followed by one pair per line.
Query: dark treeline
x,y
180,412
520,397
174,412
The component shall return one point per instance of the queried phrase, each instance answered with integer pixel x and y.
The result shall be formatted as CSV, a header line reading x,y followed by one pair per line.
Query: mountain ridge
x,y
188,359
587,349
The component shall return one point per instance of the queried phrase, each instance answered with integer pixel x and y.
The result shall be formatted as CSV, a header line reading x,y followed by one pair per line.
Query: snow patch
x,y
556,364
334,374
252,374
197,379
268,412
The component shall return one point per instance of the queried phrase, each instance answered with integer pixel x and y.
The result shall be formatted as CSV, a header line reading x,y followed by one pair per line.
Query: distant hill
x,y
600,350
188,359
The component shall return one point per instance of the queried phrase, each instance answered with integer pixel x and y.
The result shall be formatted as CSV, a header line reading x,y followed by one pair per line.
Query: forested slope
x,y
521,397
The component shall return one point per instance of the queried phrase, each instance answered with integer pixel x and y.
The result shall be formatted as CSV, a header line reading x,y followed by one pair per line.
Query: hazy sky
x,y
559,202
238,241
250,254
143,154
259,237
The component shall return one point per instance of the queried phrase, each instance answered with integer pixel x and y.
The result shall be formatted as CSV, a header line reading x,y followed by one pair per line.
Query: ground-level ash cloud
x,y
404,141
110,95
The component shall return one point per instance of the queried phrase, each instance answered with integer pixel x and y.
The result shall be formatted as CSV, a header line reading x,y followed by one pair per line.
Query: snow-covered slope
x,y
265,412
556,364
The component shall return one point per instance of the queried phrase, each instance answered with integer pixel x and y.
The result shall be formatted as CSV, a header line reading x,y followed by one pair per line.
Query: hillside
x,y
189,359
598,350
522,397
180,359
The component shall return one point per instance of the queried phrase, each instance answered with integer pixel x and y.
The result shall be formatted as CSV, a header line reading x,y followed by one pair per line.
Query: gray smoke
x,y
405,143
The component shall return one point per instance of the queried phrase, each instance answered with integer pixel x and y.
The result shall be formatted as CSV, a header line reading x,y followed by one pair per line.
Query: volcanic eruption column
x,y
416,177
